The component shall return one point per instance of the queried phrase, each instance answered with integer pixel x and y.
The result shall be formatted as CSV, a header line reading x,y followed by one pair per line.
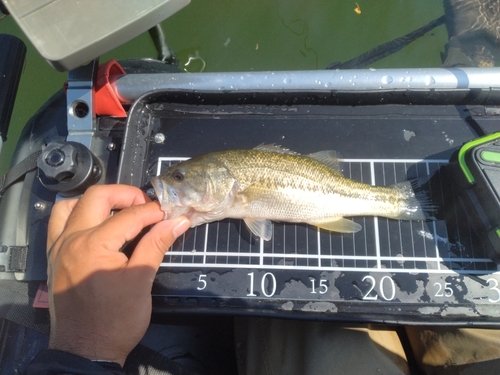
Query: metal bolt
x,y
96,170
39,206
151,192
111,146
159,138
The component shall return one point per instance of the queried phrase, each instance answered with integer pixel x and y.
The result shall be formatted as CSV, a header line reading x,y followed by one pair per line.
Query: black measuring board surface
x,y
432,272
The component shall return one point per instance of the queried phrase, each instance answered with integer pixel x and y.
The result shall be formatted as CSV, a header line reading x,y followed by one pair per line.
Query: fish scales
x,y
316,189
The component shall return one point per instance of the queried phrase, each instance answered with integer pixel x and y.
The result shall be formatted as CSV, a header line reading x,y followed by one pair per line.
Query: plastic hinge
x,y
13,258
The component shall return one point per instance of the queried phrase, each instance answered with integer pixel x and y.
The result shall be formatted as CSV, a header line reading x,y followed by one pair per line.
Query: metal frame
x,y
377,81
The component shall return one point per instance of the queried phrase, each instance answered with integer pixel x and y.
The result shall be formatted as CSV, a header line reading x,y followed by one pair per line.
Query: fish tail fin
x,y
416,202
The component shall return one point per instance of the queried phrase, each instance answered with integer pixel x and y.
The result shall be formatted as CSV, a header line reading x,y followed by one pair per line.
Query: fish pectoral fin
x,y
340,225
260,227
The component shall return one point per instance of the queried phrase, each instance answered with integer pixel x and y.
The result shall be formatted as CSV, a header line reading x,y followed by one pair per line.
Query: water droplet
x,y
287,80
159,138
328,84
429,80
355,76
386,80
408,134
400,261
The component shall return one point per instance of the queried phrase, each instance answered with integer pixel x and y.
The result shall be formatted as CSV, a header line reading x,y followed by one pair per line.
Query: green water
x,y
242,35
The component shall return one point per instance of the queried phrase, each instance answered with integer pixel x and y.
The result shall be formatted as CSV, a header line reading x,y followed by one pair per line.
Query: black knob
x,y
68,168
59,160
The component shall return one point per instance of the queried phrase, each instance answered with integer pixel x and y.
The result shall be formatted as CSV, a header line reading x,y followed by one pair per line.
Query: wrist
x,y
60,361
89,350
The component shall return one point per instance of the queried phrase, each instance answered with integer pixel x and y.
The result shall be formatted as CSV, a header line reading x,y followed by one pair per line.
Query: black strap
x,y
18,171
145,361
386,49
16,305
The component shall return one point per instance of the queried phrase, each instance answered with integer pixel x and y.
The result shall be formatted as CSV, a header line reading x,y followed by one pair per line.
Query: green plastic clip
x,y
467,147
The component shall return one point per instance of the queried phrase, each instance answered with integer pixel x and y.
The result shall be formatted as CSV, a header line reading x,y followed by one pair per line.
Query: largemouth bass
x,y
271,183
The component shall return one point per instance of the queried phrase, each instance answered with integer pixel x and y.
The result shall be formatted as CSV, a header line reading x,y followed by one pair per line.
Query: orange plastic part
x,y
106,100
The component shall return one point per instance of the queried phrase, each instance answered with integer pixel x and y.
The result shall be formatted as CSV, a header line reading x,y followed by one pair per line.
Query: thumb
x,y
58,219
152,247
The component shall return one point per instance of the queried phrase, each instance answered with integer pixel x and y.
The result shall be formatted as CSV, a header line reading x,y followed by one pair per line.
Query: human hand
x,y
100,301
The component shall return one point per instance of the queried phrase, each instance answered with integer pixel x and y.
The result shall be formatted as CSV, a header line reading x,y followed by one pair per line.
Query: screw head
x,y
96,170
111,146
39,206
55,157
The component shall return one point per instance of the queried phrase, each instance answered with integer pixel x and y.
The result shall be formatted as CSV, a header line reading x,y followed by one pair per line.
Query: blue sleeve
x,y
53,362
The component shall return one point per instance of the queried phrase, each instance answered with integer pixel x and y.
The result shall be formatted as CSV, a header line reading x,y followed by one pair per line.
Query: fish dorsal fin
x,y
275,148
340,225
260,227
327,157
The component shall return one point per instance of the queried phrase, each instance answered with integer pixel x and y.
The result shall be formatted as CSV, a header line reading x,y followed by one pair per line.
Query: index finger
x,y
96,204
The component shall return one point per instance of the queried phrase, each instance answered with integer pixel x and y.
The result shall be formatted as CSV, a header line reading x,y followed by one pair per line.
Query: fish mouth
x,y
167,196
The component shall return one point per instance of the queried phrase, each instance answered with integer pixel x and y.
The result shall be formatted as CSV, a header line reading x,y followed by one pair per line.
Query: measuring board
x,y
409,270
415,272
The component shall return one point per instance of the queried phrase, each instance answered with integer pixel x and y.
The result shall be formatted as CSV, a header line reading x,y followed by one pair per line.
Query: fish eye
x,y
177,175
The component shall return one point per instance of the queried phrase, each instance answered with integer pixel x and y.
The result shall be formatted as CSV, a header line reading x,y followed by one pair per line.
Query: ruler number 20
x,y
386,284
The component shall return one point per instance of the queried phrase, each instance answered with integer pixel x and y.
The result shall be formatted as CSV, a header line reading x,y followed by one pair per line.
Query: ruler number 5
x,y
201,279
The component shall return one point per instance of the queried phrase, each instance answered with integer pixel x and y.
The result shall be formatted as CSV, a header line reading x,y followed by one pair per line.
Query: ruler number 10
x,y
267,290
